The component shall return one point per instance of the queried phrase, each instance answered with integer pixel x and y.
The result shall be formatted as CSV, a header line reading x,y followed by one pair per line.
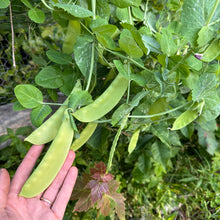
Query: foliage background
x,y
169,175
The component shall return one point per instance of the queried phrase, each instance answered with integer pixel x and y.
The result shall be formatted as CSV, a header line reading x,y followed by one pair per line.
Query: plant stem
x,y
213,12
47,103
129,83
158,114
114,144
46,5
12,37
94,9
91,66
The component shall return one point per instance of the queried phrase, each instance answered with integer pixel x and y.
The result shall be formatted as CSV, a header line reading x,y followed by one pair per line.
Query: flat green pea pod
x,y
51,163
133,142
212,51
184,119
104,103
48,130
84,136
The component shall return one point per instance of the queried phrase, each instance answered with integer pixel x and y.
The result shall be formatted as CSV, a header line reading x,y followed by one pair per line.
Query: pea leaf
x,y
212,51
168,46
27,3
197,14
4,3
29,96
151,44
75,10
161,153
122,3
36,15
204,36
79,98
103,9
58,57
129,45
39,113
49,77
82,53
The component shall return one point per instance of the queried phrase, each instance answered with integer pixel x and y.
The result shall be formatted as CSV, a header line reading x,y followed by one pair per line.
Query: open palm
x,y
13,206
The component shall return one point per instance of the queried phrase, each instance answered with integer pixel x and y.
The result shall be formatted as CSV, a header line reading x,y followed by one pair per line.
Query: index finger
x,y
25,168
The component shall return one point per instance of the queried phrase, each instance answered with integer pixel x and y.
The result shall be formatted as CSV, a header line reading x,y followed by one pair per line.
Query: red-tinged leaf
x,y
83,204
119,204
113,186
107,177
104,205
97,190
100,168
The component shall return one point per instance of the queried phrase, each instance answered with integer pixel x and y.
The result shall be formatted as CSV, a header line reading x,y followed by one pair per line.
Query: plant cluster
x,y
142,86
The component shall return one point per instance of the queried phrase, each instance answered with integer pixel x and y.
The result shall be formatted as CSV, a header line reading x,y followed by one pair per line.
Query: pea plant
x,y
147,72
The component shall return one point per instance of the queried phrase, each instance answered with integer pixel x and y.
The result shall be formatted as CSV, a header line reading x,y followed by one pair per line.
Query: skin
x,y
15,207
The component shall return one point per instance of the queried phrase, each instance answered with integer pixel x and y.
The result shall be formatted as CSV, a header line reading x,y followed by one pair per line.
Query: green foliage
x,y
167,53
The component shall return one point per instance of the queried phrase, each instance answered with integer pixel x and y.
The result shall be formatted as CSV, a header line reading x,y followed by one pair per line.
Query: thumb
x,y
4,187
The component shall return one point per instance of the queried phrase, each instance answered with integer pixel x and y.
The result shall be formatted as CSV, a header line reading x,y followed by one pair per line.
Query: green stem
x,y
129,83
91,66
86,28
114,144
47,103
94,8
158,114
213,12
130,17
46,5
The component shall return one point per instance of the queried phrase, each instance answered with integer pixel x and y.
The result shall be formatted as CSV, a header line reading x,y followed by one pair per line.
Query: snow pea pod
x,y
104,103
84,136
51,163
48,130
184,119
133,142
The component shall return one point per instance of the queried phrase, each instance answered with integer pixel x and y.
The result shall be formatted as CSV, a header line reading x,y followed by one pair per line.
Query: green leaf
x,y
133,142
75,10
24,130
27,3
103,9
79,98
4,3
39,113
212,52
36,15
205,35
161,153
129,45
123,15
83,52
122,3
168,46
151,44
17,106
49,77
197,14
58,57
29,96
4,138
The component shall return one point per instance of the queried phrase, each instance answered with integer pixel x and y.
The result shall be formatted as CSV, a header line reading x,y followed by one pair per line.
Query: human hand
x,y
49,205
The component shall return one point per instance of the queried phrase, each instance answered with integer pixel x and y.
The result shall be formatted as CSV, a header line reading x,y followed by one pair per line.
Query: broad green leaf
x,y
137,13
121,69
108,29
73,31
17,106
79,98
58,57
4,3
75,10
194,63
129,45
122,3
69,80
49,77
29,96
136,35
39,113
36,15
168,46
151,44
133,142
83,53
123,15
197,14
184,119
106,41
103,9
27,3
212,52
161,153
160,105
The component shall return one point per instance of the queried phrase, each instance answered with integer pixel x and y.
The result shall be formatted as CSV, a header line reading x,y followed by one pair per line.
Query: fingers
x,y
4,187
51,192
65,192
25,168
